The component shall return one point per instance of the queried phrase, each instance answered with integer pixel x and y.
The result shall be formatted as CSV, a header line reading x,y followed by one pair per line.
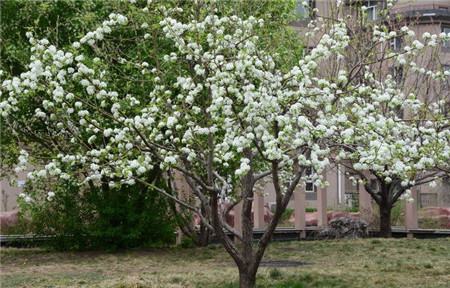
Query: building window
x,y
20,183
309,186
397,74
371,10
428,200
446,29
396,44
351,192
306,11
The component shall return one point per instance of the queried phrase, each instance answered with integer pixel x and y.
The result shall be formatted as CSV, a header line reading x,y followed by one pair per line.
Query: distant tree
x,y
393,115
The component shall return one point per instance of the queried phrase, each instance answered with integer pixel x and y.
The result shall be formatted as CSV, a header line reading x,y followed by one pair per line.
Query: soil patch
x,y
282,263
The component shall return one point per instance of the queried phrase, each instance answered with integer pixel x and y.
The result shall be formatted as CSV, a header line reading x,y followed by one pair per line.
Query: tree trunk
x,y
203,237
247,278
385,221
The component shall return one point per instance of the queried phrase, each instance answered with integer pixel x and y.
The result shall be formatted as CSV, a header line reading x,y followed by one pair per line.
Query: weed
x,y
275,273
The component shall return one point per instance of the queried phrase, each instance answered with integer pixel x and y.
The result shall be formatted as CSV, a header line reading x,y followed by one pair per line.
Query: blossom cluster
x,y
230,108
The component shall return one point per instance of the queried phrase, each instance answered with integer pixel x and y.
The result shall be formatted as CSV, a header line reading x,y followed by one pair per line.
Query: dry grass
x,y
358,263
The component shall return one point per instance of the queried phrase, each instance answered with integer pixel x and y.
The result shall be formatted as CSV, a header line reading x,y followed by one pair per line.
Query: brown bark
x,y
385,205
203,237
204,233
246,258
385,221
247,278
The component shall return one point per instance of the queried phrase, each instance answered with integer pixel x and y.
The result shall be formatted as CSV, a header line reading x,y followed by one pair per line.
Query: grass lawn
x,y
344,263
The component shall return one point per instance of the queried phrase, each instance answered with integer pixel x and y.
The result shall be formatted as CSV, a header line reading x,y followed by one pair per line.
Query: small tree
x,y
394,132
44,141
91,212
392,155
221,113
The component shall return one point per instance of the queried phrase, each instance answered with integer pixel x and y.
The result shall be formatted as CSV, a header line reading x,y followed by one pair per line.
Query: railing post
x,y
365,204
237,224
184,193
299,211
322,220
179,238
411,219
258,211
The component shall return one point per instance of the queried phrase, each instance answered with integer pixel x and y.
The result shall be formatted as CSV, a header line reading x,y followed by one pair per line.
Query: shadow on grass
x,y
301,280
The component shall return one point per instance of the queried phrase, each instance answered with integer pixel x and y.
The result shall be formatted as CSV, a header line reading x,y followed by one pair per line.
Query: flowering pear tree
x,y
41,141
228,119
110,47
392,155
394,132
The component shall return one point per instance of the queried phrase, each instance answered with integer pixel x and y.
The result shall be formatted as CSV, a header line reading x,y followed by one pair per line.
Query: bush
x,y
287,214
352,209
99,218
398,214
430,223
310,210
275,274
88,217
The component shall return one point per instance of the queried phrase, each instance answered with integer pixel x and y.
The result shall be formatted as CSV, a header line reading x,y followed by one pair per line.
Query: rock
x,y
345,227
